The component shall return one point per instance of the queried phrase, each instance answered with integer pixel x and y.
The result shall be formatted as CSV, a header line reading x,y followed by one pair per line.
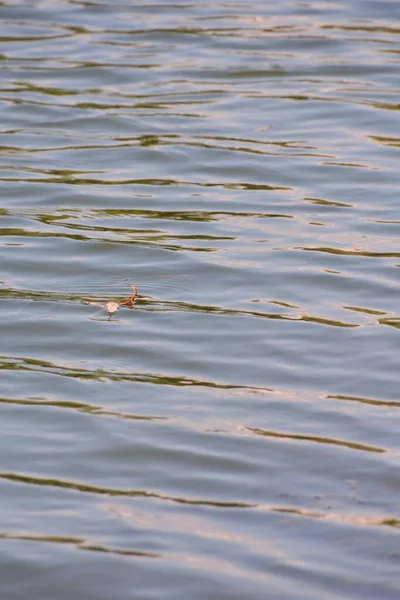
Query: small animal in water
x,y
112,307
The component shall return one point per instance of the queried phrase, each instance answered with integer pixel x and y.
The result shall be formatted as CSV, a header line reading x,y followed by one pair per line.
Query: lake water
x,y
236,435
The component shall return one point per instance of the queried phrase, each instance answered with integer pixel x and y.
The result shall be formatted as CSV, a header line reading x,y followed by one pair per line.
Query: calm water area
x,y
235,436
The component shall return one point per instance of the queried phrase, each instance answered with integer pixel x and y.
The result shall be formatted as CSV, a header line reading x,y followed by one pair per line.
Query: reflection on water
x,y
234,435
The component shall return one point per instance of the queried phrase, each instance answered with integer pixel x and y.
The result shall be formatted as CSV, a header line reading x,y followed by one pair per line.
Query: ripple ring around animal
x,y
112,307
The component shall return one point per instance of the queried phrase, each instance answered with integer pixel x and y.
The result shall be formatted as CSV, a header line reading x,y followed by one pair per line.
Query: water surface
x,y
236,435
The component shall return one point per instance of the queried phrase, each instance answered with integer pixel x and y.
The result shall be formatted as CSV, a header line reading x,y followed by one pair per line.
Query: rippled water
x,y
236,435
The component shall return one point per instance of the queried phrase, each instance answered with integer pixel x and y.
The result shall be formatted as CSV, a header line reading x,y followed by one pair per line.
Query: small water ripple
x,y
78,543
80,407
317,439
92,489
31,364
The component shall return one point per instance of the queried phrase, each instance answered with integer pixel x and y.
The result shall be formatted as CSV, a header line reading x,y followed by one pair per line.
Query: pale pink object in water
x,y
112,307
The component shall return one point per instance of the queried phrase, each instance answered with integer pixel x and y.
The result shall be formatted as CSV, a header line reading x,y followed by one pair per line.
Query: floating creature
x,y
112,307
